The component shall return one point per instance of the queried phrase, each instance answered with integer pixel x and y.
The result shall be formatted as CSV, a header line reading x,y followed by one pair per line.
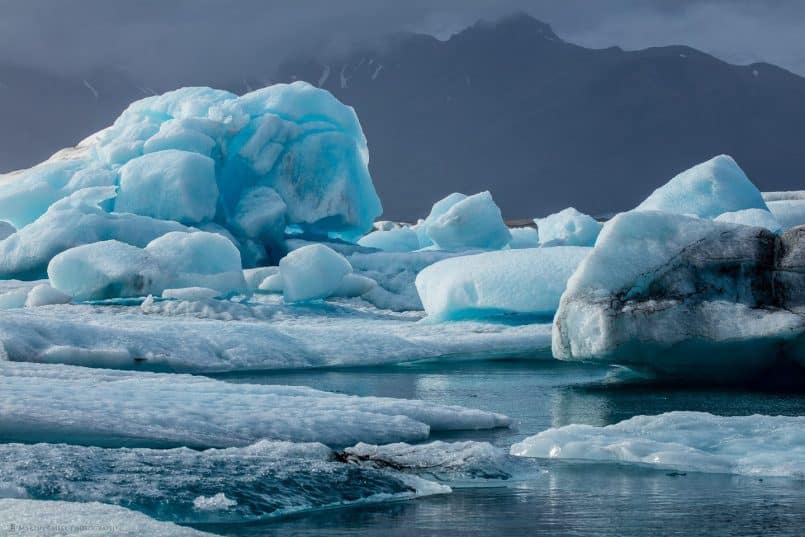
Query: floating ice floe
x,y
48,518
528,281
568,227
684,441
256,482
285,155
230,335
706,190
686,297
109,408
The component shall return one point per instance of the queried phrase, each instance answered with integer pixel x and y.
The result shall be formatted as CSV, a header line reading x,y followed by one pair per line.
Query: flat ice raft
x,y
684,441
256,482
49,518
116,408
219,336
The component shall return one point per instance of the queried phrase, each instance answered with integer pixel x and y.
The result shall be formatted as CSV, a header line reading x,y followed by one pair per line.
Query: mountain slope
x,y
543,123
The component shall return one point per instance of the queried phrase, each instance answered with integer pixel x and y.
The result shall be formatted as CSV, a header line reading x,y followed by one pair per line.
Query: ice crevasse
x,y
285,157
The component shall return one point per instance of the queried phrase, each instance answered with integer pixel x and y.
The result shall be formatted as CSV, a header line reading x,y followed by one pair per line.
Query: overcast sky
x,y
168,41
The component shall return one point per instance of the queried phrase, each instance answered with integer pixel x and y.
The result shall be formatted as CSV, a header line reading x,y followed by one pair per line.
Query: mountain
x,y
506,106
511,107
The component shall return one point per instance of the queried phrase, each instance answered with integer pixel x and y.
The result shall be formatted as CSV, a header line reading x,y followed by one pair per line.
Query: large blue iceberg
x,y
289,158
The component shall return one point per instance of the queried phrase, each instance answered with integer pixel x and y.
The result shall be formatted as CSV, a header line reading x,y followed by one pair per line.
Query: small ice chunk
x,y
272,284
393,240
213,503
706,190
474,222
15,298
198,259
751,217
255,276
510,281
568,227
43,295
312,272
191,293
353,285
105,269
185,182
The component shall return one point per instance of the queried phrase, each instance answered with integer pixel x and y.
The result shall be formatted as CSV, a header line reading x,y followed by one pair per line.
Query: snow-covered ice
x,y
568,227
706,190
528,281
684,441
261,334
110,408
50,518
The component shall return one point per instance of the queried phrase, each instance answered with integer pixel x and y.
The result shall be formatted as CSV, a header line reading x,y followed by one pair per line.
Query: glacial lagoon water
x,y
555,497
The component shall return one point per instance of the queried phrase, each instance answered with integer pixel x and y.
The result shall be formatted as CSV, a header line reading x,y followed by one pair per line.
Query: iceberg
x,y
683,441
312,272
568,227
107,408
472,222
528,281
686,297
42,518
706,190
284,155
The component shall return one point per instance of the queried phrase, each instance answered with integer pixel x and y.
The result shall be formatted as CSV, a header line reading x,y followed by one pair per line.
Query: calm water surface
x,y
561,498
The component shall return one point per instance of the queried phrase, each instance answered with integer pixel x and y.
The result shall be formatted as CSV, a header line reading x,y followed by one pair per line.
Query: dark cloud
x,y
164,43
